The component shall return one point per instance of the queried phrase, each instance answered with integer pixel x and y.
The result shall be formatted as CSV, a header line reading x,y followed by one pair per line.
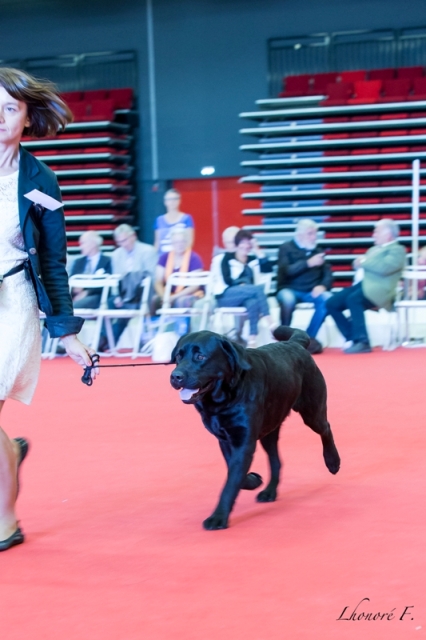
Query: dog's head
x,y
206,363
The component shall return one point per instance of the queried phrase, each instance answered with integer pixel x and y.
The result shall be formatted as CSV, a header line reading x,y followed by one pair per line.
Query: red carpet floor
x,y
121,475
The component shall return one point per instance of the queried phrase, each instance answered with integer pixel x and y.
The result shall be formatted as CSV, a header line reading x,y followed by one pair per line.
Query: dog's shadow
x,y
284,502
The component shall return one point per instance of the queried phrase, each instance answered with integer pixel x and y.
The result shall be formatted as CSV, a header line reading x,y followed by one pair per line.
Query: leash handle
x,y
87,375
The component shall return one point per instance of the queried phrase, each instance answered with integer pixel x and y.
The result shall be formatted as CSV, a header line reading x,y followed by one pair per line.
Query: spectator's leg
x,y
243,296
320,313
287,301
262,300
182,324
121,323
357,304
335,307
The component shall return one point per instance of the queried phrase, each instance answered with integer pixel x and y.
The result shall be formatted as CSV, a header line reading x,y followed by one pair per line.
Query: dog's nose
x,y
176,378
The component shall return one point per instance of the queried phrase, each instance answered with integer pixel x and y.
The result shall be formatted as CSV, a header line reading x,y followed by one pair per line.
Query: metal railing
x,y
344,51
83,72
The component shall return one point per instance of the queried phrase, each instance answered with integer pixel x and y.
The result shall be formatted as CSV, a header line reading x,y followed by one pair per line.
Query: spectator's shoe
x,y
359,347
236,337
314,346
103,345
16,538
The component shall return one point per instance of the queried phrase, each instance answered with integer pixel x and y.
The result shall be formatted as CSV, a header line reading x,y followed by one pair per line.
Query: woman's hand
x,y
79,352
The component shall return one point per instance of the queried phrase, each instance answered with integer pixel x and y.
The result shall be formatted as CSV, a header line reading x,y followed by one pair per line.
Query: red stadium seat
x,y
419,89
122,98
366,92
395,132
409,72
381,74
296,86
396,90
72,96
394,116
338,93
351,76
102,109
98,94
319,82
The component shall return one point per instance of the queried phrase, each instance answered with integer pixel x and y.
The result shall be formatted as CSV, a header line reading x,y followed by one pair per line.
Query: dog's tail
x,y
283,333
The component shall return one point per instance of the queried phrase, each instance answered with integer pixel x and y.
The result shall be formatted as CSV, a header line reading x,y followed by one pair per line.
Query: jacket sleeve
x,y
265,266
385,262
52,252
226,270
287,270
327,276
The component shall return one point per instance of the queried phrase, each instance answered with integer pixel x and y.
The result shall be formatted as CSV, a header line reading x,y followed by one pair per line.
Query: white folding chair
x,y
141,314
190,279
87,281
220,313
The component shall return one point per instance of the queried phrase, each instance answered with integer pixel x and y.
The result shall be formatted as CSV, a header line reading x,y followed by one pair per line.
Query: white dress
x,y
20,338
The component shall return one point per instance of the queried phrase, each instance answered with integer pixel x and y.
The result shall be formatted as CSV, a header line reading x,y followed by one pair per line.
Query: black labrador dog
x,y
244,395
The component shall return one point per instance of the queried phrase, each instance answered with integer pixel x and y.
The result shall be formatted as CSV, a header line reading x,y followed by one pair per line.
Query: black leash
x,y
87,375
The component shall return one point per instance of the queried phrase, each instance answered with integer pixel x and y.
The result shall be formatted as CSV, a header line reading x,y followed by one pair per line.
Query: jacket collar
x,y
28,170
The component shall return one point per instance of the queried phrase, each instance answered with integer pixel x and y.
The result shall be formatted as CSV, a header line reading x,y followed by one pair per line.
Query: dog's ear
x,y
175,350
236,355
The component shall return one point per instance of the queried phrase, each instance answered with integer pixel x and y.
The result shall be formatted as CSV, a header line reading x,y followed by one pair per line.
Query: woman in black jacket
x,y
32,265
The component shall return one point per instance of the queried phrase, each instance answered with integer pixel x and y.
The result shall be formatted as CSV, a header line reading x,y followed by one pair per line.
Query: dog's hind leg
x,y
252,480
315,417
270,444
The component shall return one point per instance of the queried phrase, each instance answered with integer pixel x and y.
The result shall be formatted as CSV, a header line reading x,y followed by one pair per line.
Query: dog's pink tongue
x,y
186,394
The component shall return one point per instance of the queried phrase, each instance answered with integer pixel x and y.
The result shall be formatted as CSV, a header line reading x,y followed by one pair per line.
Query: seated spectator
x,y
304,276
173,218
180,259
228,241
92,262
235,277
382,267
133,261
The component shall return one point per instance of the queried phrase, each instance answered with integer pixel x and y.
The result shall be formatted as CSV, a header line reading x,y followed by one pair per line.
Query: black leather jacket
x,y
45,242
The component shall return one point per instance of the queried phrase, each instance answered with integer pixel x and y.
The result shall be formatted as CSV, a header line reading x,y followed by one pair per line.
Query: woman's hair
x,y
47,112
242,234
172,192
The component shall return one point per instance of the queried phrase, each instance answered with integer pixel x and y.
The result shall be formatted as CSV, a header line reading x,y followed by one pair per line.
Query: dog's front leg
x,y
239,459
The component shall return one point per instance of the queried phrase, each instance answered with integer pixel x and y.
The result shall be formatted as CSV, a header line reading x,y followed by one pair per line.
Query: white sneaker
x,y
347,344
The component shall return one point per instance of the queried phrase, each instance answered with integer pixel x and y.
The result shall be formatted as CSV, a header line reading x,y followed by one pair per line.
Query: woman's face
x,y
244,247
171,201
13,118
179,242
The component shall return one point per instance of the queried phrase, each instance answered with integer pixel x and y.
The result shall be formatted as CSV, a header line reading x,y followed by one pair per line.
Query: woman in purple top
x,y
172,219
180,259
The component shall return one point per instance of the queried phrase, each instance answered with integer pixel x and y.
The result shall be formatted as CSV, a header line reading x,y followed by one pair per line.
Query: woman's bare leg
x,y
8,483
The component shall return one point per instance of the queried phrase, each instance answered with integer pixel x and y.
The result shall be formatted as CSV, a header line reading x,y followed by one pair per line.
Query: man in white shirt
x,y
133,261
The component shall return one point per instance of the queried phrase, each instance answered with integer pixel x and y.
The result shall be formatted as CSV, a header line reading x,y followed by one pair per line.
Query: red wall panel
x,y
198,198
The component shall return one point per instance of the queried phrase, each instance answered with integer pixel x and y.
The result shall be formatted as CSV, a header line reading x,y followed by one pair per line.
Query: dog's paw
x,y
332,461
216,521
267,495
252,481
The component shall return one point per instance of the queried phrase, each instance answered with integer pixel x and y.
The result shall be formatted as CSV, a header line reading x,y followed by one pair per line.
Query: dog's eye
x,y
178,357
199,357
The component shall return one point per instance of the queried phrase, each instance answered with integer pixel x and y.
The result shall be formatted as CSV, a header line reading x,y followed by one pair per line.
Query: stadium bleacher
x,y
93,161
342,156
